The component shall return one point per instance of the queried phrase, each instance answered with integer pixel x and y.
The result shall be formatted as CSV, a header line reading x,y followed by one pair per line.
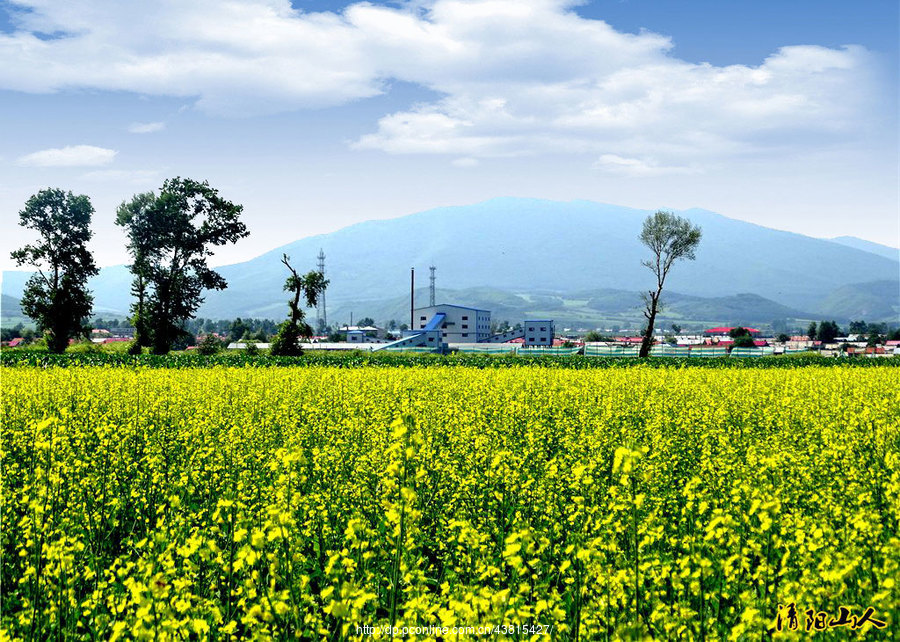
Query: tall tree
x,y
56,295
310,287
670,238
812,331
136,217
170,238
828,331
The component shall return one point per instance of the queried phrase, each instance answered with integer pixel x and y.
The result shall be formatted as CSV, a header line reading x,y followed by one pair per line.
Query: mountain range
x,y
577,260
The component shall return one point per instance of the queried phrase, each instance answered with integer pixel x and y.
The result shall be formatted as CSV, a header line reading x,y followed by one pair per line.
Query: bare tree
x,y
670,238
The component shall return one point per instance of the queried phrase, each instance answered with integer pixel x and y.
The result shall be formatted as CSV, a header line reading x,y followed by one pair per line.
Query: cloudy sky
x,y
316,114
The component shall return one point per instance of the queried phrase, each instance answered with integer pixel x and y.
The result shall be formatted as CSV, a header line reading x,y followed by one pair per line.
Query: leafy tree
x,y
366,321
877,328
238,330
56,295
209,345
670,238
894,335
170,238
138,217
676,328
8,334
828,331
858,327
593,335
742,337
875,339
812,332
783,338
309,286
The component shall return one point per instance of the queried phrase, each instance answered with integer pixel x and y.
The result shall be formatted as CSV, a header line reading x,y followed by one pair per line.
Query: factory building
x,y
460,324
538,332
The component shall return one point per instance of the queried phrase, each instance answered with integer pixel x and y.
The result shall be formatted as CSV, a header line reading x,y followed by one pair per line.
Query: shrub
x,y
209,345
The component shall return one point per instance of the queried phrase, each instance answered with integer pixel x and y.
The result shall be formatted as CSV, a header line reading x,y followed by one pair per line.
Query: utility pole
x,y
321,318
431,290
412,298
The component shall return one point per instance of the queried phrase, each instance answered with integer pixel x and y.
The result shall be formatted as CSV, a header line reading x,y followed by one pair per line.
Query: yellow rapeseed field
x,y
281,503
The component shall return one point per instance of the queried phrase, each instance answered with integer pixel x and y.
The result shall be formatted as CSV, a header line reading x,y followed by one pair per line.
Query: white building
x,y
460,325
539,332
361,336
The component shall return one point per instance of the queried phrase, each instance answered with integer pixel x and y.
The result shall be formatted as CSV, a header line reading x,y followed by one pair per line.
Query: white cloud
x,y
466,161
146,128
70,156
636,167
515,76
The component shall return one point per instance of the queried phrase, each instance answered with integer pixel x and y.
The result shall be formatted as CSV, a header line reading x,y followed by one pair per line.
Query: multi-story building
x,y
460,325
539,332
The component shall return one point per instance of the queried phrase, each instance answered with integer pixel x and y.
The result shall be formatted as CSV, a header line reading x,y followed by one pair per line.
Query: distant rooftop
x,y
452,305
727,329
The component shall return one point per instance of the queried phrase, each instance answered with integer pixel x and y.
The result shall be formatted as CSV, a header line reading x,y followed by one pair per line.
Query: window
x,y
465,327
531,329
543,339
421,318
465,318
465,334
543,329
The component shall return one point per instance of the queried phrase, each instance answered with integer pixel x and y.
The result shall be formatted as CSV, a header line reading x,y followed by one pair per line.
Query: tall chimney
x,y
412,298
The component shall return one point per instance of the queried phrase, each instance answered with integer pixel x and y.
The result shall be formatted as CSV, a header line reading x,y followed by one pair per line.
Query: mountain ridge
x,y
531,245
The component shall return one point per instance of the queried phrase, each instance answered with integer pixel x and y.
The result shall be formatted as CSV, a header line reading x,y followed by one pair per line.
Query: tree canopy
x,y
170,237
56,295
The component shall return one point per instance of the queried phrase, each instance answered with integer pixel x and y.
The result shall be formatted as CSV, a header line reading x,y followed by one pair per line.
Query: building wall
x,y
539,332
462,325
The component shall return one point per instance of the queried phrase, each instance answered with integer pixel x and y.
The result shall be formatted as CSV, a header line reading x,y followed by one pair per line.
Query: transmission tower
x,y
321,317
431,289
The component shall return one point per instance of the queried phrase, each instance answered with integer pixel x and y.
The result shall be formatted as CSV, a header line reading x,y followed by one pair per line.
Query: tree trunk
x,y
647,343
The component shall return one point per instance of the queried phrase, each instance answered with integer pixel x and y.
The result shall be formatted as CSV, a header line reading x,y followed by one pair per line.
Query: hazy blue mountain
x,y
876,300
111,288
868,246
10,306
529,246
589,309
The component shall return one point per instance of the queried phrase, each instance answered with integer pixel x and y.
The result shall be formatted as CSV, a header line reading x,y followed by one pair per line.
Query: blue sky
x,y
324,114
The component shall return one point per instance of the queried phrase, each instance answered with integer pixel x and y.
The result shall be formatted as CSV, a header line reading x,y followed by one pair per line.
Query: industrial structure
x,y
448,326
460,325
321,316
431,288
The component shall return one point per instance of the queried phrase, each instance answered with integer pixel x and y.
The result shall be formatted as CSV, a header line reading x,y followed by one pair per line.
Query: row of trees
x,y
170,235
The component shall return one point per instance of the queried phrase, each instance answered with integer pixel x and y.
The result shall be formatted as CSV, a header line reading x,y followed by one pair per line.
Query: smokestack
x,y
412,298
